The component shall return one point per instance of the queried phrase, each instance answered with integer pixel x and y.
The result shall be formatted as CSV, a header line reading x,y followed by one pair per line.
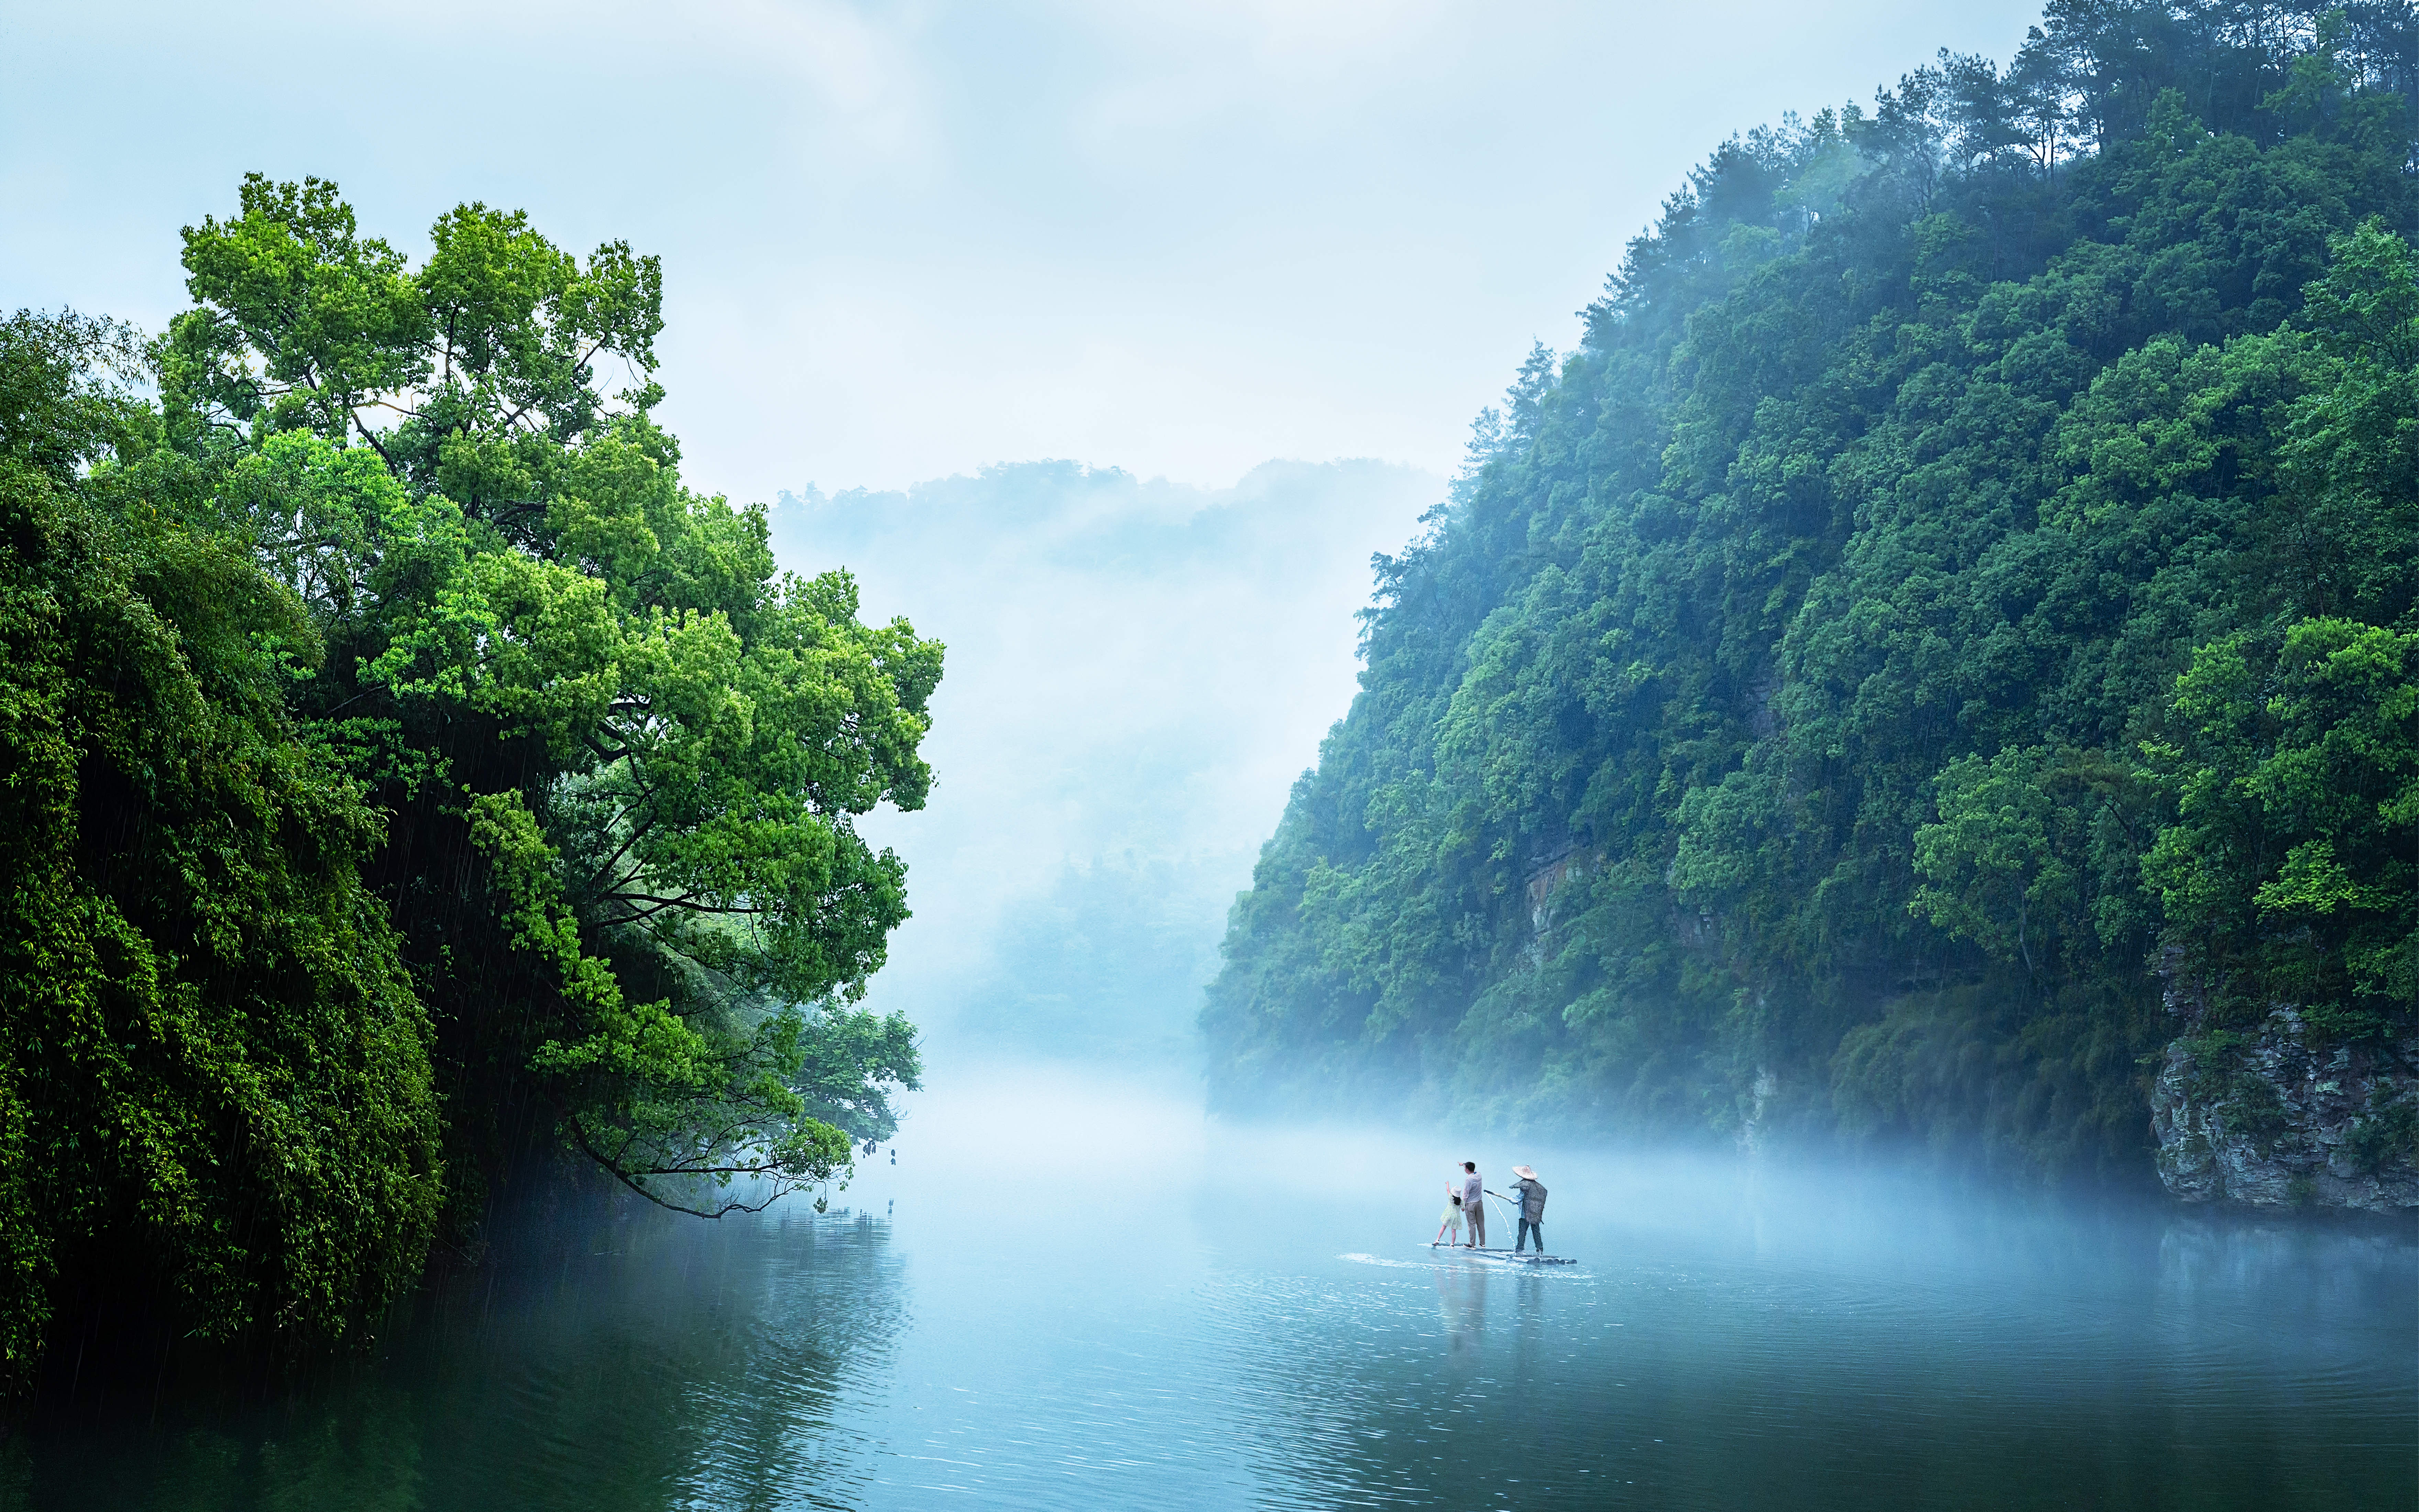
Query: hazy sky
x,y
905,240
1136,670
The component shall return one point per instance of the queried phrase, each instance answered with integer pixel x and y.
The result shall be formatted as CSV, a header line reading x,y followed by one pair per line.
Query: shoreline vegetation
x,y
409,780
1936,668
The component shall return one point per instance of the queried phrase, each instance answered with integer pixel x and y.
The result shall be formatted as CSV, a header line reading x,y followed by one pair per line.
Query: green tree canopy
x,y
409,770
1965,567
563,667
214,1072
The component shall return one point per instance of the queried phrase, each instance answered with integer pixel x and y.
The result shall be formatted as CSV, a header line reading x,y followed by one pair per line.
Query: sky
x,y
903,242
1245,271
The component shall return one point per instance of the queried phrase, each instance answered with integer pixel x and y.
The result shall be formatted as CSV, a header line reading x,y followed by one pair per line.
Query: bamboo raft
x,y
1504,1256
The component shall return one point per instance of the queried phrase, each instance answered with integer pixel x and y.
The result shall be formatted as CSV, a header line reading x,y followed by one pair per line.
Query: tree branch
x,y
607,757
636,835
640,916
783,1184
371,437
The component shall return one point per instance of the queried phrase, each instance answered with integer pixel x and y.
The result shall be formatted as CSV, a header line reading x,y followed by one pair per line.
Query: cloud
x,y
905,240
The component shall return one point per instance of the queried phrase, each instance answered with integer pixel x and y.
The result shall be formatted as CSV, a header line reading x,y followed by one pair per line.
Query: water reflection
x,y
660,1362
1154,1310
1461,1297
1797,1339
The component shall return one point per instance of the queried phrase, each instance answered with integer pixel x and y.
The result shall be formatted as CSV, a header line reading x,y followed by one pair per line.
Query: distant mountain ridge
x,y
1937,664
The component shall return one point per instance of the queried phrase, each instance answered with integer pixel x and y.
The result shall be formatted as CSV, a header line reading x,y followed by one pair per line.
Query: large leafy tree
x,y
215,1084
2291,870
403,774
2292,873
624,754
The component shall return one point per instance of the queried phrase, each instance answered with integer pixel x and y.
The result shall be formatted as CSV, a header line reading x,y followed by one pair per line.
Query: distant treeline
x,y
1961,587
403,773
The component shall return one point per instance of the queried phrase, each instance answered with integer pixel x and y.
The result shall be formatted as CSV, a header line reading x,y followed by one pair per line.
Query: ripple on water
x,y
1792,1348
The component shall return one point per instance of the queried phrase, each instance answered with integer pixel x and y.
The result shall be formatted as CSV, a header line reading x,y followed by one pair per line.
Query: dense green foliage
x,y
214,1061
406,771
1967,567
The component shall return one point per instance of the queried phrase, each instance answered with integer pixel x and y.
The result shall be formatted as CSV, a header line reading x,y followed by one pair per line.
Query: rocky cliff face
x,y
2278,1117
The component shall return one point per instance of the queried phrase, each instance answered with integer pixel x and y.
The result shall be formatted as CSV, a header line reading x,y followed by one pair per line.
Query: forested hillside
x,y
1939,662
403,777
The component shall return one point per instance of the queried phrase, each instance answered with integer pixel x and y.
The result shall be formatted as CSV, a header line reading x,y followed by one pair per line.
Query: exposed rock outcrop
x,y
1548,871
2279,1117
1752,1135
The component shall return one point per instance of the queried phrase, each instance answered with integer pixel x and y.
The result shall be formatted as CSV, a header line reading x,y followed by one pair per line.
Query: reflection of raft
x,y
1505,1255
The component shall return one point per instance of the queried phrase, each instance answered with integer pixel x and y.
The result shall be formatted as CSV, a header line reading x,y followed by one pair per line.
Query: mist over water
x,y
1069,1292
1946,400
1066,1286
1137,671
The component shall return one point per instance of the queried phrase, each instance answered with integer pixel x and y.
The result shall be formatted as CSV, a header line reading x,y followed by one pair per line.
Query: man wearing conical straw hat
x,y
1531,1194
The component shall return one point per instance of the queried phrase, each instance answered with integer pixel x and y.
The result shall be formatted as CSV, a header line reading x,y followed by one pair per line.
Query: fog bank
x,y
1137,671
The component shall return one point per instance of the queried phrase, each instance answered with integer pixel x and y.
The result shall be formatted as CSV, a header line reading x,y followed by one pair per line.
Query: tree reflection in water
x,y
651,1362
1160,1310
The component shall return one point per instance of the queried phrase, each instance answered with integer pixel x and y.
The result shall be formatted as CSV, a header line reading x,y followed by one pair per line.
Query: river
x,y
1066,1295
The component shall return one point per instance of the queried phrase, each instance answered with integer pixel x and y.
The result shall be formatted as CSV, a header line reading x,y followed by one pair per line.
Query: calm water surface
x,y
1066,1297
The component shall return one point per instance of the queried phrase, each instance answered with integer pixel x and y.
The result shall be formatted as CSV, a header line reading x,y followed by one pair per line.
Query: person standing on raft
x,y
1531,1193
1474,1203
1451,1222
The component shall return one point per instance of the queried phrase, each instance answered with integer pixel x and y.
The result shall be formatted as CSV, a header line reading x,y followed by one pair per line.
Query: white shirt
x,y
1473,1190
